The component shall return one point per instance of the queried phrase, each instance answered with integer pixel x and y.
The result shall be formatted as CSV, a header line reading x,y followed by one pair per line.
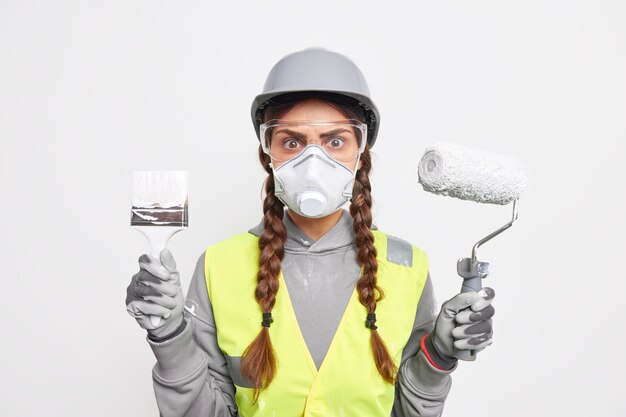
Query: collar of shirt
x,y
339,236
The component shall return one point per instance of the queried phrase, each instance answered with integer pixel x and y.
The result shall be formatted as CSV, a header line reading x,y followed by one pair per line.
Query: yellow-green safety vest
x,y
347,383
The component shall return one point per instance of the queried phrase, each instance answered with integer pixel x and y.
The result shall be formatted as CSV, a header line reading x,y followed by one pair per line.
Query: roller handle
x,y
472,273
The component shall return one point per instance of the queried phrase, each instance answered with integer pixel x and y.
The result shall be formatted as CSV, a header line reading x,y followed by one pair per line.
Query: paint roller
x,y
468,174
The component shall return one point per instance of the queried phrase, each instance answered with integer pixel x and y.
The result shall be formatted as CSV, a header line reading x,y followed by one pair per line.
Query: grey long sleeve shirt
x,y
192,377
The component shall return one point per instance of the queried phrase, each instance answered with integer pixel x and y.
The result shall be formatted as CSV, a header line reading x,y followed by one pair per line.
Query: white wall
x,y
90,91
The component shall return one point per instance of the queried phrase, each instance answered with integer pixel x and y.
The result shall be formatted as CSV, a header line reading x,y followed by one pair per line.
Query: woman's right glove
x,y
460,327
156,290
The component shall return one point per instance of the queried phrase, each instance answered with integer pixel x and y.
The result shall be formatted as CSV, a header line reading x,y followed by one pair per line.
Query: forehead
x,y
313,109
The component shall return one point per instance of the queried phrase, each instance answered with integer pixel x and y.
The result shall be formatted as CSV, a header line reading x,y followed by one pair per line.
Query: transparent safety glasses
x,y
344,140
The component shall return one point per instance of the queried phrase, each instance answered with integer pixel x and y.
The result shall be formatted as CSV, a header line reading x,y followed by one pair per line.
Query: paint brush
x,y
159,209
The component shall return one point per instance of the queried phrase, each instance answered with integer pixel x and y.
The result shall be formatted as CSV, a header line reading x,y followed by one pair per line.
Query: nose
x,y
314,160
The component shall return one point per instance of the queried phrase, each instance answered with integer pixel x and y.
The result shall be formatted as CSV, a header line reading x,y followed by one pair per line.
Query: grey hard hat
x,y
317,70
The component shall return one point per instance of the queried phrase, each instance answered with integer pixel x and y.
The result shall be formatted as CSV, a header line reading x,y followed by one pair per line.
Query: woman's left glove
x,y
464,322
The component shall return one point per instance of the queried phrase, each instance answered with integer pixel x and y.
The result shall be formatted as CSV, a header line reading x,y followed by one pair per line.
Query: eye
x,y
335,142
291,144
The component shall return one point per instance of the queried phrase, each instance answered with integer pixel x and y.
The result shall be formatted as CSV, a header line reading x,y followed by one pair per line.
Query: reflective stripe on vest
x,y
347,383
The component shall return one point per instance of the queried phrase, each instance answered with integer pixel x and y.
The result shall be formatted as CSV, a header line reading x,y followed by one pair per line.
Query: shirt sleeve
x,y
421,389
191,376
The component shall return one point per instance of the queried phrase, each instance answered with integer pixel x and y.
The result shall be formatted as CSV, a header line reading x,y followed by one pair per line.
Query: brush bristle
x,y
159,188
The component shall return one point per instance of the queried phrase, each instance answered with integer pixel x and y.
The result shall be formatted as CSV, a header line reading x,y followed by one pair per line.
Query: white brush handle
x,y
158,236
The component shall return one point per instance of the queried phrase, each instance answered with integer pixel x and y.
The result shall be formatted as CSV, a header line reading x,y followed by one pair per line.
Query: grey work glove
x,y
156,290
460,327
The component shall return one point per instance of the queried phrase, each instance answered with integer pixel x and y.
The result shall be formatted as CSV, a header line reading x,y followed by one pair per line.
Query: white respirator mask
x,y
313,184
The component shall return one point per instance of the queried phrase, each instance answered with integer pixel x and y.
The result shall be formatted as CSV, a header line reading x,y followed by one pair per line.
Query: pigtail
x,y
258,362
369,292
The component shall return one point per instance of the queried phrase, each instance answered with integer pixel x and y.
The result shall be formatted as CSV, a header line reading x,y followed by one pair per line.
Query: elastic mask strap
x,y
279,188
347,191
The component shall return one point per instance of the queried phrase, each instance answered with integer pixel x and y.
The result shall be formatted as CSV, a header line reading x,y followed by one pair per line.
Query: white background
x,y
90,91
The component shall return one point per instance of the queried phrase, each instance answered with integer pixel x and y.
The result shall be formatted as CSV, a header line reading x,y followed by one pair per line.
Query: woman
x,y
314,311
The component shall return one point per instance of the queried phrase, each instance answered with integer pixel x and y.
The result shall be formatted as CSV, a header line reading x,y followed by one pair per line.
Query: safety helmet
x,y
319,72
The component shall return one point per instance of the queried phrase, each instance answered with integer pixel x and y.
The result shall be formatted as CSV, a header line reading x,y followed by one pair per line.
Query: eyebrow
x,y
299,134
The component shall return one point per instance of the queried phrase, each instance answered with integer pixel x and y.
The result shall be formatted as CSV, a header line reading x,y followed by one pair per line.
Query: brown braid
x,y
369,292
258,362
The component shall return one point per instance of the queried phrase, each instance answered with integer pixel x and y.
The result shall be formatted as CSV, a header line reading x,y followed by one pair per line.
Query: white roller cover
x,y
469,174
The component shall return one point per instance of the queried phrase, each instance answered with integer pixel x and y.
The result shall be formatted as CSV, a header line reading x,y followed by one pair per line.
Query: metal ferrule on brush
x,y
156,216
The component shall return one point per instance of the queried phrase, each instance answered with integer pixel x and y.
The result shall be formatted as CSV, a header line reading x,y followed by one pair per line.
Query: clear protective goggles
x,y
343,140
